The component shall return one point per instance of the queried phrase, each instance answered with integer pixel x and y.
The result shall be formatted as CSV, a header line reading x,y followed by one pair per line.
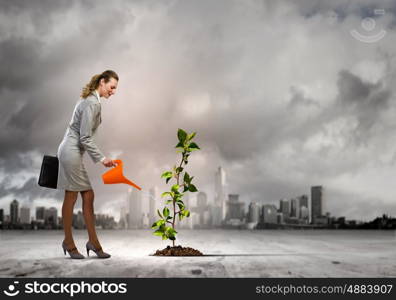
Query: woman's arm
x,y
89,114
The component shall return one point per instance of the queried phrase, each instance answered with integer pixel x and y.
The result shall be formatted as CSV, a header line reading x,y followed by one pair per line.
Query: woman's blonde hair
x,y
94,82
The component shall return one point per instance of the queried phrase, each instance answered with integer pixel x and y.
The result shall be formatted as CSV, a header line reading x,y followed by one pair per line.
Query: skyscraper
x,y
51,217
135,208
124,218
284,207
304,208
294,208
154,198
14,206
40,211
254,213
25,215
221,192
1,216
235,209
270,214
202,207
316,202
303,200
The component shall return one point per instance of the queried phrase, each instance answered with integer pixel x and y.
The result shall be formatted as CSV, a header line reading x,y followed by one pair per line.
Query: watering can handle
x,y
118,162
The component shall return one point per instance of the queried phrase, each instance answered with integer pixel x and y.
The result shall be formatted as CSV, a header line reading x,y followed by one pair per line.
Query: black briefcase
x,y
49,172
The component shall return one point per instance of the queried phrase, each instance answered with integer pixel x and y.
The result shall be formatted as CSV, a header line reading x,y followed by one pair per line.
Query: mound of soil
x,y
178,251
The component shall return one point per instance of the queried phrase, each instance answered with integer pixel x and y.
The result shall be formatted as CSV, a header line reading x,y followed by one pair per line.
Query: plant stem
x,y
174,202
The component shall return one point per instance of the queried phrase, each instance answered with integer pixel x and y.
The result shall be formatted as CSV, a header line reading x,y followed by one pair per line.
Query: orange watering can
x,y
115,175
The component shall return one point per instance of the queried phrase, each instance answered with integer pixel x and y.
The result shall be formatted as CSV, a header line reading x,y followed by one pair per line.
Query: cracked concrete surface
x,y
228,253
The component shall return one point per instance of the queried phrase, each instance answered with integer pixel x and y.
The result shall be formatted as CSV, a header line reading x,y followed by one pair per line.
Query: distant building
x,y
294,208
235,209
316,203
221,192
269,214
304,214
51,217
322,220
123,223
40,211
284,207
25,215
14,207
254,213
195,222
105,221
1,216
202,207
78,220
216,215
303,200
135,209
154,198
280,218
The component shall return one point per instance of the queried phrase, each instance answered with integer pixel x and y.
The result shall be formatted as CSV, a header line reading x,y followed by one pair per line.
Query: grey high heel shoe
x,y
73,255
99,252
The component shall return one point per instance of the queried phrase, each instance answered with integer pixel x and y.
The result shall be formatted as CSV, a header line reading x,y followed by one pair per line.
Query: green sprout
x,y
165,226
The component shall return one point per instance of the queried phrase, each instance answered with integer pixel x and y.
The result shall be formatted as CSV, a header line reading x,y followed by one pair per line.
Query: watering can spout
x,y
115,175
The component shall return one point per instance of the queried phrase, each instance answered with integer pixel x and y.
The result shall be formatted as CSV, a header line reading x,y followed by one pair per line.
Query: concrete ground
x,y
228,253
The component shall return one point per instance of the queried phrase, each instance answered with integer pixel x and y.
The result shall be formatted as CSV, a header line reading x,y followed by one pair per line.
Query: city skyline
x,y
139,210
149,201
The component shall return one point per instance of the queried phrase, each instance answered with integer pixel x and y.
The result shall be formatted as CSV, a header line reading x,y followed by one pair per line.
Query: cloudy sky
x,y
283,95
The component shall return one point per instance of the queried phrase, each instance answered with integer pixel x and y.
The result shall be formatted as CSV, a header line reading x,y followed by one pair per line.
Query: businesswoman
x,y
72,176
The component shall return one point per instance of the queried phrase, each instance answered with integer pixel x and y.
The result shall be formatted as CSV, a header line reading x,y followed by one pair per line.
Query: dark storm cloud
x,y
364,100
30,190
30,62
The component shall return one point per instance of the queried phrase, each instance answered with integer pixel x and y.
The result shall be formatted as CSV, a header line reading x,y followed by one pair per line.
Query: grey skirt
x,y
72,175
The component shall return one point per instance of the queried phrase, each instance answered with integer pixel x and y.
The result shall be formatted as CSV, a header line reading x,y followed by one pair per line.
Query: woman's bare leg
x,y
67,217
89,216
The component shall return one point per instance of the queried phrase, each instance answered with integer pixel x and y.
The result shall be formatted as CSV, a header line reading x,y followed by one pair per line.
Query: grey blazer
x,y
83,125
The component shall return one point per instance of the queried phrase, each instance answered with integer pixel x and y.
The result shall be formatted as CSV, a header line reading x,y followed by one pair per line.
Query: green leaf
x,y
164,237
179,145
168,201
181,217
185,188
166,193
167,174
181,205
193,147
179,170
161,223
191,136
172,231
192,188
186,213
175,188
154,225
186,177
158,233
159,213
182,135
165,212
167,179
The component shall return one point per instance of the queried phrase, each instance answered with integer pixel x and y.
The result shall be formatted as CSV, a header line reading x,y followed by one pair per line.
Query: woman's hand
x,y
107,162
